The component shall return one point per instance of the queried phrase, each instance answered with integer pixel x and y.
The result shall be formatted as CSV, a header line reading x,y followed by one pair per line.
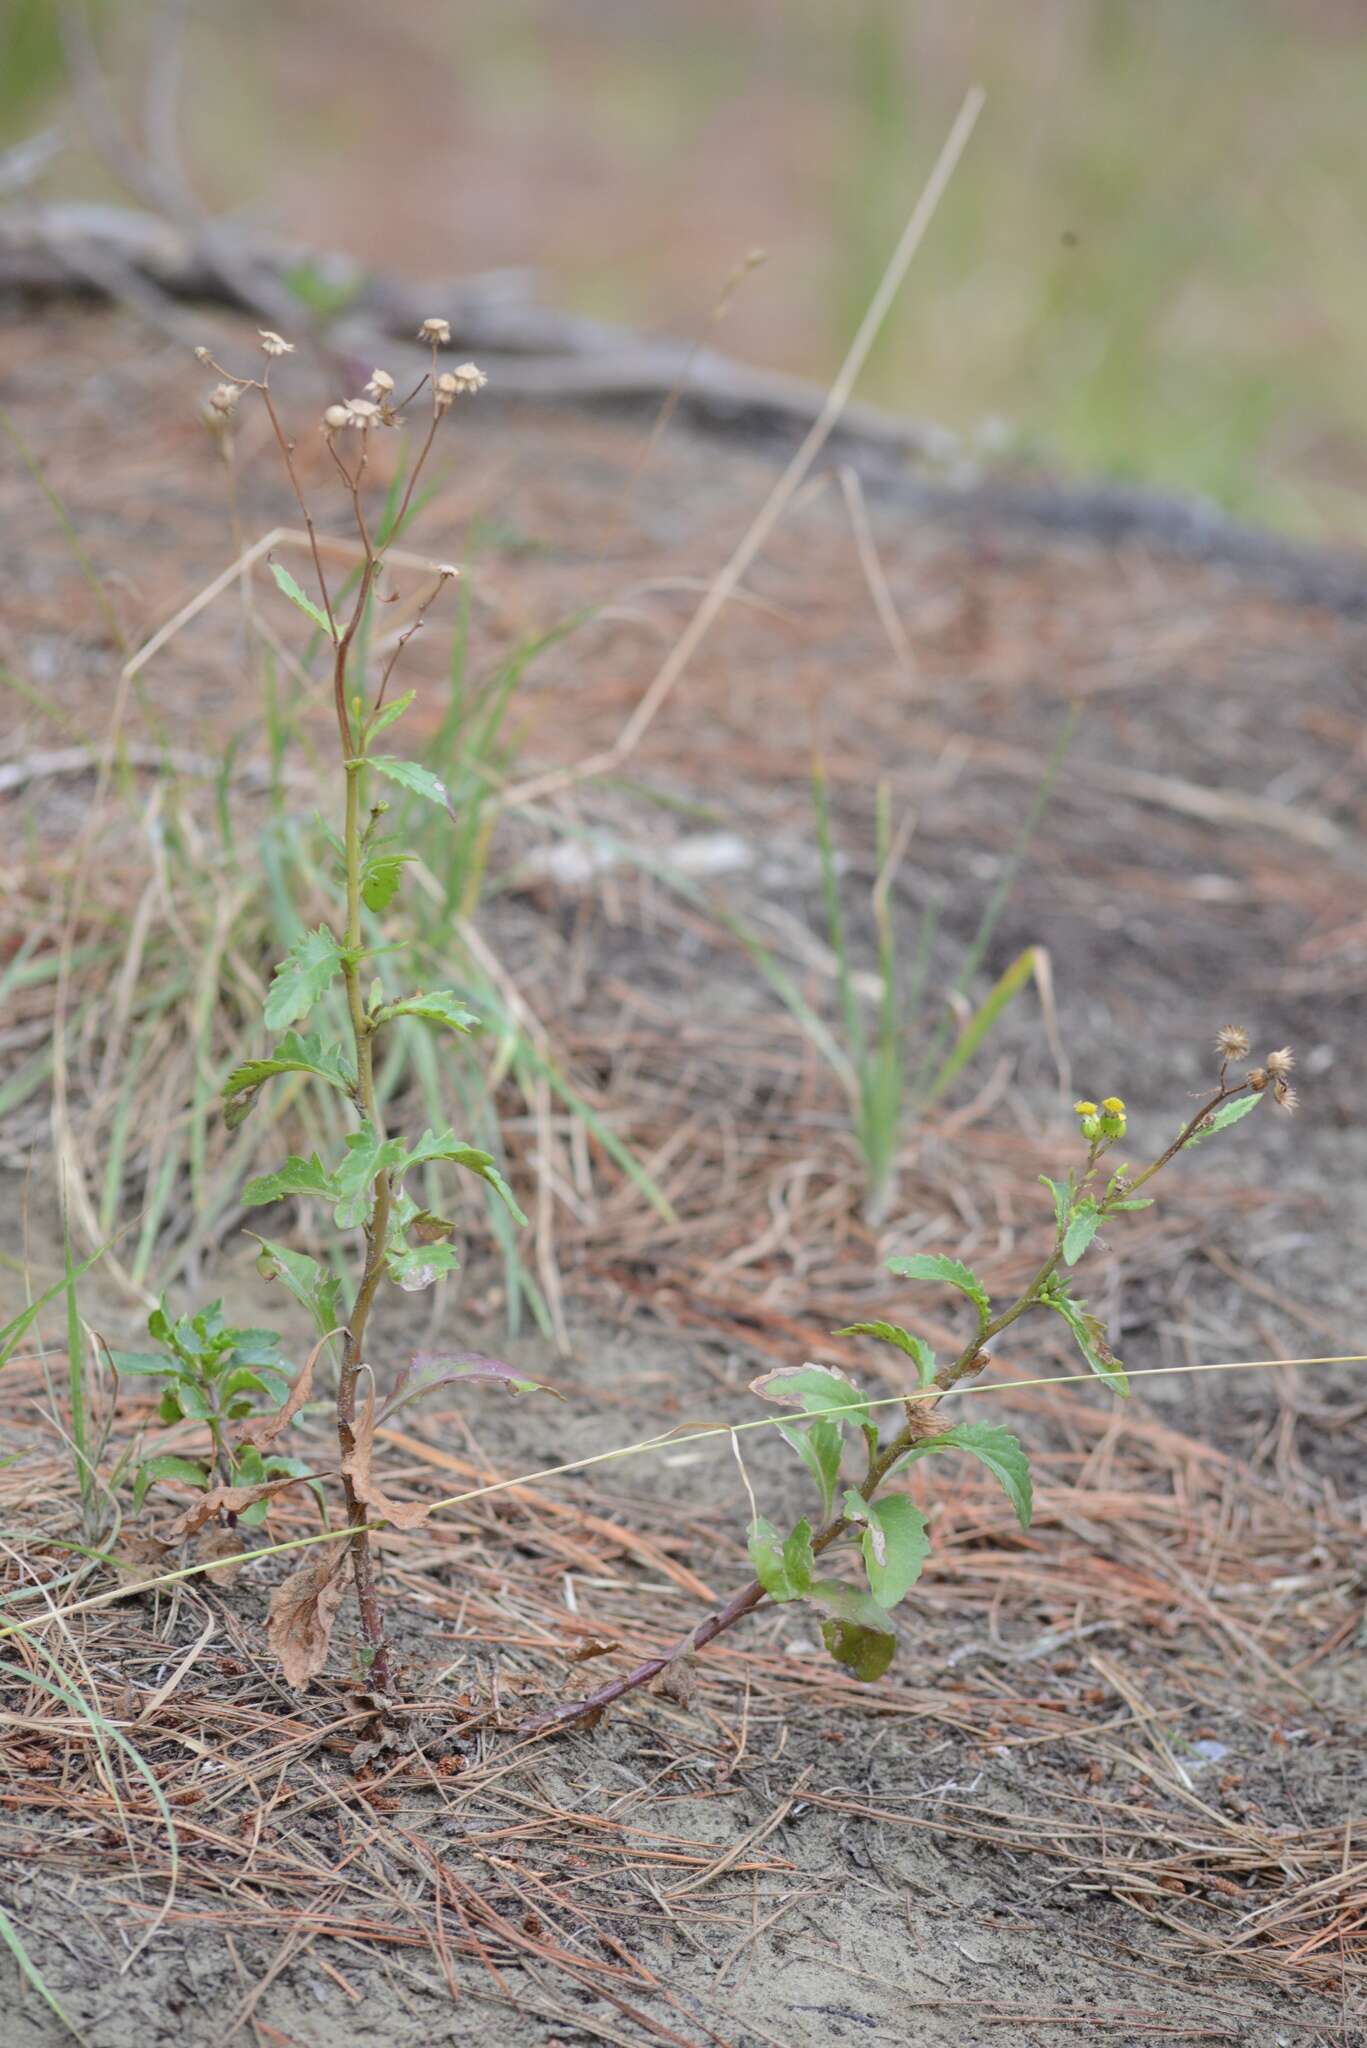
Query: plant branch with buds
x,y
889,1530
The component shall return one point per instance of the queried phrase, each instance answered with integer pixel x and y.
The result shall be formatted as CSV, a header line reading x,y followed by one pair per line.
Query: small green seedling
x,y
210,1373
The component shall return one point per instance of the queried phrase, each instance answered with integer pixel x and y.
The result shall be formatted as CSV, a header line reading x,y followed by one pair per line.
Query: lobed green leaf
x,y
1082,1227
894,1543
914,1348
303,977
1003,1454
293,1055
858,1633
412,775
815,1388
286,583
935,1266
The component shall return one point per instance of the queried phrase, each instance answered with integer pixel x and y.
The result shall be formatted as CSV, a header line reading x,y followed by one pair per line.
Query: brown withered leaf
x,y
302,1611
404,1514
139,1557
219,1542
262,1430
231,1500
596,1646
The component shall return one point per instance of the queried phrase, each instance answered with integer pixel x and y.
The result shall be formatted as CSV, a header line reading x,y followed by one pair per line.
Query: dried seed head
x,y
335,418
380,385
273,344
444,391
223,400
1279,1064
1232,1042
1286,1095
1257,1079
202,354
445,569
469,377
436,331
361,412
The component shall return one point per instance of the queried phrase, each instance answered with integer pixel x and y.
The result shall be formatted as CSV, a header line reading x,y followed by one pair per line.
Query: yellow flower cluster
x,y
1104,1120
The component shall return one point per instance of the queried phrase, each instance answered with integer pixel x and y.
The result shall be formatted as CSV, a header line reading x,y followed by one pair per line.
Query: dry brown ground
x,y
1107,1789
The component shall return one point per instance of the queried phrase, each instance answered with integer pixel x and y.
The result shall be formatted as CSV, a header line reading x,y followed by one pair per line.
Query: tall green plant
x,y
400,1240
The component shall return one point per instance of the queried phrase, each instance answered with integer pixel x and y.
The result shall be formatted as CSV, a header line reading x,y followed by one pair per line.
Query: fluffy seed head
x,y
273,344
469,377
380,385
335,418
1257,1079
1286,1096
1231,1042
361,412
436,331
1279,1064
223,400
201,354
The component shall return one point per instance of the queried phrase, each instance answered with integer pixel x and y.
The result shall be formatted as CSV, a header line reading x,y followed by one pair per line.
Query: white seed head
x,y
361,412
435,330
469,377
380,385
335,418
273,344
1280,1063
202,354
223,400
444,390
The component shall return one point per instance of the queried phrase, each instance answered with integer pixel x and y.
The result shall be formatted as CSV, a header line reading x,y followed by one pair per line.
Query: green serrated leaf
x,y
914,1348
1143,1202
935,1266
141,1363
412,775
819,1445
438,1005
1090,1336
1062,1197
312,1285
286,583
168,1466
894,1543
1003,1454
813,1387
293,1055
414,1267
1083,1225
388,714
1220,1119
302,978
858,1633
380,879
367,1155
434,1145
296,1177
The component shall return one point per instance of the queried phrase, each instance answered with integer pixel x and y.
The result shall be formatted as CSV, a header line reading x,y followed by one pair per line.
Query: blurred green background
x,y
1151,265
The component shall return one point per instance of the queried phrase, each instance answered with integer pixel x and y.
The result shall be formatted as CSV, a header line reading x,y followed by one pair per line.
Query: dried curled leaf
x,y
220,1543
404,1514
138,1559
232,1500
262,1430
302,1612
